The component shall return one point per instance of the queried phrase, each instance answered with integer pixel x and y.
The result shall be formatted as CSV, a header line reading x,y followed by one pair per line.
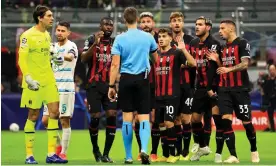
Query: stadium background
x,y
255,19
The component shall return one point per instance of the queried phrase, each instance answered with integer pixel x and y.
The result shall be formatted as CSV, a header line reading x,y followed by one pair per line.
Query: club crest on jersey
x,y
168,59
213,47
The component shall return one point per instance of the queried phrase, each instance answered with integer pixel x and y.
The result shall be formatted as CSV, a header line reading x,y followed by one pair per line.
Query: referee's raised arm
x,y
130,54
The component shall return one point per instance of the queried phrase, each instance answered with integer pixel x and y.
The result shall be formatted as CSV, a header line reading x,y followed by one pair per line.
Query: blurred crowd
x,y
105,4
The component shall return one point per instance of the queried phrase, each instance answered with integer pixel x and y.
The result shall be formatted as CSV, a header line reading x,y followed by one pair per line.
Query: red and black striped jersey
x,y
100,62
187,74
206,70
231,55
167,73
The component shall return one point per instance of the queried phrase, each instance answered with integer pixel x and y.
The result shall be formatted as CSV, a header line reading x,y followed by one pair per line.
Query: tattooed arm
x,y
242,66
239,67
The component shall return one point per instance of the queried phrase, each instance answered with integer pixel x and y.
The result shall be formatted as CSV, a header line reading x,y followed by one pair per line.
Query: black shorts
x,y
152,97
134,93
166,110
202,103
97,99
237,100
186,100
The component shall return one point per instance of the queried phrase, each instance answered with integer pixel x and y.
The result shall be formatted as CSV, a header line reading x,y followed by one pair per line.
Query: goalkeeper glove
x,y
32,84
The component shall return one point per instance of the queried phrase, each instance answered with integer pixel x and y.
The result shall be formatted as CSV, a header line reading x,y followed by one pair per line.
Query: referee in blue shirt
x,y
130,54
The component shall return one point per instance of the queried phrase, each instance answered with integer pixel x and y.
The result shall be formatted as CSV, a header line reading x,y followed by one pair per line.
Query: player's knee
x,y
33,115
177,121
95,115
162,125
169,124
196,118
110,113
65,122
215,110
227,116
54,114
45,121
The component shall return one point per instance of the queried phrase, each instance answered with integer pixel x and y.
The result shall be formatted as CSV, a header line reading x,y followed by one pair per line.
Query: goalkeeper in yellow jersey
x,y
39,85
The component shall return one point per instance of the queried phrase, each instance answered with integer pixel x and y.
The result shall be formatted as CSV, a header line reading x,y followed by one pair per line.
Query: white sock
x,y
66,134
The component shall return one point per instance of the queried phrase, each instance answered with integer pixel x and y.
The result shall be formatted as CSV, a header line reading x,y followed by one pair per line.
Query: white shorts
x,y
66,105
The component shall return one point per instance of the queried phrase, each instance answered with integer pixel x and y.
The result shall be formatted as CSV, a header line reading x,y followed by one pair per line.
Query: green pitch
x,y
80,150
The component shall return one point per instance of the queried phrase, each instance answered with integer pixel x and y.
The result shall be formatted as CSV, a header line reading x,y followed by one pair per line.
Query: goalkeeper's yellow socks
x,y
29,130
52,135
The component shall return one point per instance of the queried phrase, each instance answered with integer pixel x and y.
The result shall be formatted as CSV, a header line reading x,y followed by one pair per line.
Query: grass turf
x,y
80,149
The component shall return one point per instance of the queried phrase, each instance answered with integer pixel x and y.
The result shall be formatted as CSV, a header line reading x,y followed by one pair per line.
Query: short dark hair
x,y
65,24
130,15
39,11
206,20
228,21
106,18
165,30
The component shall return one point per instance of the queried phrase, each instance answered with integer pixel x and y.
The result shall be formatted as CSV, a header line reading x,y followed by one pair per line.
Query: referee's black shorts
x,y
134,93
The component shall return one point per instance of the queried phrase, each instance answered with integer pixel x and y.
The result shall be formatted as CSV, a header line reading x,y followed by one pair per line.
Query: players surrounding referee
x,y
185,81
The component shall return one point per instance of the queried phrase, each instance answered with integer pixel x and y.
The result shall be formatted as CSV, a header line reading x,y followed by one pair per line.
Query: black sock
x,y
186,138
207,128
155,137
164,143
171,140
251,135
219,133
198,131
178,143
93,131
229,136
109,133
137,128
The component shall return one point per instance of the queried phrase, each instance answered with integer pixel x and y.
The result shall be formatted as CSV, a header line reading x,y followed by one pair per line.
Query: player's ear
x,y
170,25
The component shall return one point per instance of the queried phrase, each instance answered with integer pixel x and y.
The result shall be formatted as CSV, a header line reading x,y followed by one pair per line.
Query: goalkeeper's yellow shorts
x,y
35,99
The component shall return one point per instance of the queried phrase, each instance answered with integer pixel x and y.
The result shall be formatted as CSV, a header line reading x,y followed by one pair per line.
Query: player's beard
x,y
147,29
202,34
107,34
61,39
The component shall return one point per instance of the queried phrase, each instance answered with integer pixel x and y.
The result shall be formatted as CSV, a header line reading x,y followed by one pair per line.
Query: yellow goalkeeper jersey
x,y
34,57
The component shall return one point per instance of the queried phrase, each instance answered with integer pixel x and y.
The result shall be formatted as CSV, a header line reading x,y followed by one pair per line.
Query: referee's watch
x,y
111,86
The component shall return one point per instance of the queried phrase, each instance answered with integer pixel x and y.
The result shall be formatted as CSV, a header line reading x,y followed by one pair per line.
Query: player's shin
x,y
109,134
251,135
127,137
155,137
164,143
29,130
93,131
219,133
66,135
207,127
144,135
52,135
229,136
178,142
186,132
171,137
137,135
198,131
